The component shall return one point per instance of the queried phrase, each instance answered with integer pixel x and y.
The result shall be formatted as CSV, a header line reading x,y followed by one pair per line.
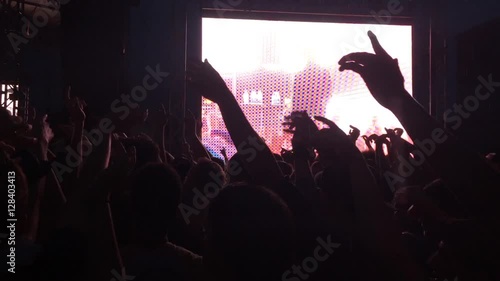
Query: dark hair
x,y
200,176
147,150
278,157
251,234
156,190
286,168
236,164
443,198
182,165
218,161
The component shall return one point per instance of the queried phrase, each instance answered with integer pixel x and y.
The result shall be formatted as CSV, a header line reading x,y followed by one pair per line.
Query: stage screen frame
x,y
310,18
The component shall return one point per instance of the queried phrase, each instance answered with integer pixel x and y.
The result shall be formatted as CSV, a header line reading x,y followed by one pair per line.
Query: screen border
x,y
305,17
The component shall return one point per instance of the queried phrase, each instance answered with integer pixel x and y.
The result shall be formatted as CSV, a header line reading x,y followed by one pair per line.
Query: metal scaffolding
x,y
13,96
14,99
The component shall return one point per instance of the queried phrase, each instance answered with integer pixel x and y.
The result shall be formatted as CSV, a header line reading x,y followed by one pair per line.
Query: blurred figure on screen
x,y
312,89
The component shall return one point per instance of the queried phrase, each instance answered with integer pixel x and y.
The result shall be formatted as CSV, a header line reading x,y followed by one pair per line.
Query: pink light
x,y
269,56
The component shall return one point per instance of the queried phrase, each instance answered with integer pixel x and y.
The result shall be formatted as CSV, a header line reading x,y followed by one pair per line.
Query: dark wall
x,y
92,49
42,71
32,60
164,35
478,56
353,7
150,43
461,17
473,42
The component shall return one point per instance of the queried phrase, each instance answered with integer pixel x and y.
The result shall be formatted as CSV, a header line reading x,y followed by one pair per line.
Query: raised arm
x,y
192,138
159,120
44,136
89,212
75,107
474,183
372,221
258,159
303,128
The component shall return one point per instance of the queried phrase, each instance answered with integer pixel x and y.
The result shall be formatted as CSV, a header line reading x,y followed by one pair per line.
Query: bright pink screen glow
x,y
275,67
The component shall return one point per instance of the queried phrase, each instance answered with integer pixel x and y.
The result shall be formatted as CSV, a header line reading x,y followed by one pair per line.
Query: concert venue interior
x,y
250,140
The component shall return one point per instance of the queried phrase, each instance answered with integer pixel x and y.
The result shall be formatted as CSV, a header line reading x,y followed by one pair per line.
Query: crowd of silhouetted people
x,y
104,199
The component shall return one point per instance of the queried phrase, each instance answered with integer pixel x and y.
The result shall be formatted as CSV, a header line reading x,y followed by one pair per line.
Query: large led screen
x,y
276,67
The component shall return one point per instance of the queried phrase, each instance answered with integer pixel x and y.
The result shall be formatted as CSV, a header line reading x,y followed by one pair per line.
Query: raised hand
x,y
332,142
354,133
302,127
45,134
263,168
380,72
373,138
368,143
204,78
382,139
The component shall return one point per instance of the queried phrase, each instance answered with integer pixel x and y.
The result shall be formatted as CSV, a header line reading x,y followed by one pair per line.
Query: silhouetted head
x,y
250,235
65,256
156,190
147,150
236,170
286,168
466,250
203,182
442,197
278,157
218,161
182,165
